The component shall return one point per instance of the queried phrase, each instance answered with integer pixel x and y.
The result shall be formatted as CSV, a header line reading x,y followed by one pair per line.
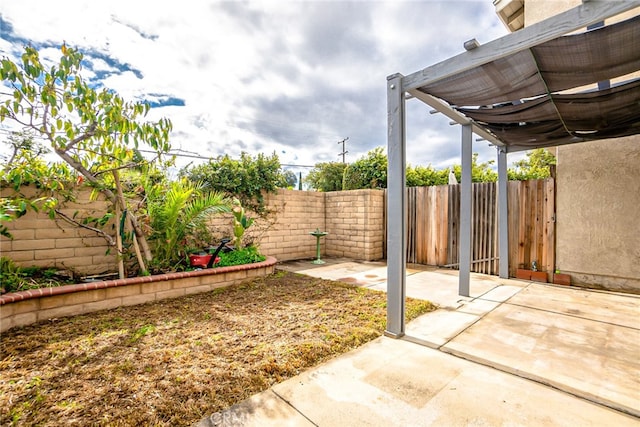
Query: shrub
x,y
248,255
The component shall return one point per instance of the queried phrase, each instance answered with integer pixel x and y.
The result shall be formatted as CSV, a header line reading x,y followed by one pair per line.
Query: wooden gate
x,y
433,218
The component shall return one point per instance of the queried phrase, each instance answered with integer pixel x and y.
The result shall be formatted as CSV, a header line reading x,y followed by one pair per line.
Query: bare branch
x,y
101,233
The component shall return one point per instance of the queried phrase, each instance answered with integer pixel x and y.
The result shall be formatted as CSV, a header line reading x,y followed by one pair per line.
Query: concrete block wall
x,y
353,219
42,242
355,222
294,215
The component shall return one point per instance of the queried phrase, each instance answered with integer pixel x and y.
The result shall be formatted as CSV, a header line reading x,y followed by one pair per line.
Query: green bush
x,y
367,172
11,278
14,278
247,179
247,255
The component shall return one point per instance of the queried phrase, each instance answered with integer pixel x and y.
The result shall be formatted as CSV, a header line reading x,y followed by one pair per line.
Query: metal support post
x,y
465,212
396,208
503,218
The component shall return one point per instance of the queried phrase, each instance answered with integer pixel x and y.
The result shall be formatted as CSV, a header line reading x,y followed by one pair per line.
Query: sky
x,y
290,77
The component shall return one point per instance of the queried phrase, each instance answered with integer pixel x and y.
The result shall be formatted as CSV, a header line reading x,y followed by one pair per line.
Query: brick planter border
x,y
27,307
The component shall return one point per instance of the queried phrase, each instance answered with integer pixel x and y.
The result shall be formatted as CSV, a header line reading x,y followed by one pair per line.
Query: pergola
x,y
529,89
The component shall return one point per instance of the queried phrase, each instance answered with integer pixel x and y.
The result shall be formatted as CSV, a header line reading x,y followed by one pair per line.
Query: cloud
x,y
294,77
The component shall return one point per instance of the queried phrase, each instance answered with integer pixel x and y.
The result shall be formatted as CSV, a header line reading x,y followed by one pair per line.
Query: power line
x,y
181,153
197,156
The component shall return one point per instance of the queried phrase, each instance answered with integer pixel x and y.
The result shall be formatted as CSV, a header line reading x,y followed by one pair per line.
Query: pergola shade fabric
x,y
519,97
559,119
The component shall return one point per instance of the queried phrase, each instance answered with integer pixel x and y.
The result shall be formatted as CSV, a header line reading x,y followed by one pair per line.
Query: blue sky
x,y
291,77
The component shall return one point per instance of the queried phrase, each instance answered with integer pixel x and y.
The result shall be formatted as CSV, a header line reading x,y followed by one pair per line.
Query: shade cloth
x,y
547,96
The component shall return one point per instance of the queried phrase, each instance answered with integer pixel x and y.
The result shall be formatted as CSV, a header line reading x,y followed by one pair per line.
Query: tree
x,y
94,131
480,172
288,179
326,176
246,179
367,172
421,176
25,166
537,165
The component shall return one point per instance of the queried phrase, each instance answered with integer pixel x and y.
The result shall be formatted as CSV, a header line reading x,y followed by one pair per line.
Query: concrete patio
x,y
514,353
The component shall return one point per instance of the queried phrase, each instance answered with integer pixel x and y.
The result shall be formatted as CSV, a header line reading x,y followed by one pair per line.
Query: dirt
x,y
174,362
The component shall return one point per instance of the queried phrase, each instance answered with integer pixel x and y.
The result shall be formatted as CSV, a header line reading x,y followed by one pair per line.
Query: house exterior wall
x,y
598,196
598,232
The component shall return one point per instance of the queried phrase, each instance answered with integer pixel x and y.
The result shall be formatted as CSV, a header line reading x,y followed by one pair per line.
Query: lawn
x,y
176,361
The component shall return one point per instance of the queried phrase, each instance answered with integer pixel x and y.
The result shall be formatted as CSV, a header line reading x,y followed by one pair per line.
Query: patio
x,y
513,352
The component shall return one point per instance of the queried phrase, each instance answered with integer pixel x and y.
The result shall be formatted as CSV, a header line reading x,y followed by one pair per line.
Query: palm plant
x,y
178,214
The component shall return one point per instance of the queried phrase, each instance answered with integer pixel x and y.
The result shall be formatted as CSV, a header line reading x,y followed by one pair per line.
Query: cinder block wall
x,y
294,215
355,222
353,219
42,242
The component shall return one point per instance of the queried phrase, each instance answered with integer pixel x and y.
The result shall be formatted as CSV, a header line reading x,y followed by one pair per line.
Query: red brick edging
x,y
79,287
27,307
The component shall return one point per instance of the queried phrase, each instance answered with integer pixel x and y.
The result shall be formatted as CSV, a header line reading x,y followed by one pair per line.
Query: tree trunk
x,y
110,196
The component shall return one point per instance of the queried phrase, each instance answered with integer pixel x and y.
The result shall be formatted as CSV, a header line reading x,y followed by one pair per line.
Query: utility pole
x,y
344,152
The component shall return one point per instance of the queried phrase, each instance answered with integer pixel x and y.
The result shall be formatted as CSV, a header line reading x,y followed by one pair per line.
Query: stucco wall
x,y
538,10
598,232
598,196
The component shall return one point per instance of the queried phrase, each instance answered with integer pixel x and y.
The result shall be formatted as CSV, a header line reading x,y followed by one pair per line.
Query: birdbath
x,y
318,234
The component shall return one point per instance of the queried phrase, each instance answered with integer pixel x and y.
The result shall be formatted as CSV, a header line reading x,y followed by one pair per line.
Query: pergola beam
x,y
460,118
579,17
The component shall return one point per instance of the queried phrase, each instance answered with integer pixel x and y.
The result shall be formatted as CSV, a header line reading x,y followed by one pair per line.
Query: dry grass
x,y
174,362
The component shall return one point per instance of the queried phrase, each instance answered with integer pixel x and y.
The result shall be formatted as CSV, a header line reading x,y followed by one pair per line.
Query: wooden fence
x,y
433,217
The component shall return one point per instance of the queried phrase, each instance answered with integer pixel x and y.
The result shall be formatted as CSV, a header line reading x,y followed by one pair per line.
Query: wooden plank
x,y
454,219
416,224
487,227
540,225
423,230
443,196
514,194
410,225
481,226
550,243
523,232
433,226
